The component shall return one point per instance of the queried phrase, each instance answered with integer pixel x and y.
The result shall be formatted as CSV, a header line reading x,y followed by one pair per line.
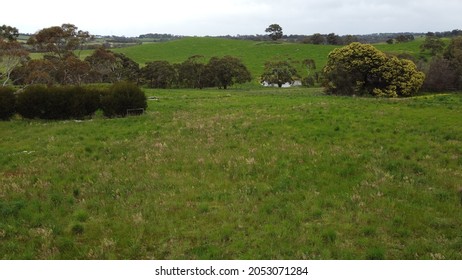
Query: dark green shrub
x,y
123,96
308,81
51,103
32,101
441,76
7,103
73,102
58,103
85,101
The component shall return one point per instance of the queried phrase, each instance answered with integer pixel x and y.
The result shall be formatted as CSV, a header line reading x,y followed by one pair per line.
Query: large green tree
x,y
226,71
432,44
59,41
108,66
361,69
192,73
159,74
8,33
454,54
454,51
275,31
279,73
59,44
317,39
333,39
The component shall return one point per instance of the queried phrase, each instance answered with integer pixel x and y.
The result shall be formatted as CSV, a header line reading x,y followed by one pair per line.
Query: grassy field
x,y
253,54
238,174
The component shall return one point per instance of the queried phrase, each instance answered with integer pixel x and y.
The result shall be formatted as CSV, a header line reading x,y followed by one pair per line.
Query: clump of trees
x,y
279,73
221,72
433,44
444,71
402,38
330,39
61,64
227,71
361,69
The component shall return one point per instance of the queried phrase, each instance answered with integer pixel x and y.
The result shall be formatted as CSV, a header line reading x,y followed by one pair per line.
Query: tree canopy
x,y
59,41
12,53
8,33
433,44
361,69
275,31
226,71
279,73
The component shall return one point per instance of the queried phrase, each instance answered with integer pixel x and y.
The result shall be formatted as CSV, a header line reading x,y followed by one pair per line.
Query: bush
x,y
7,103
441,76
85,101
73,102
123,96
32,102
361,69
58,103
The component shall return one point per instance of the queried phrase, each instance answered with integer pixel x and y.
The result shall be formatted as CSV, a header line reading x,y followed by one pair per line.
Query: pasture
x,y
238,174
254,54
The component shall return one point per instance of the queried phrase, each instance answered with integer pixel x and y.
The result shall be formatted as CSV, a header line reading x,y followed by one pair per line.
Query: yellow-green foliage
x,y
356,57
363,69
401,76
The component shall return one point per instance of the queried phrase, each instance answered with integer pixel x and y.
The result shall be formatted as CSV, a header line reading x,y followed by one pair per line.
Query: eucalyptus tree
x,y
275,31
12,53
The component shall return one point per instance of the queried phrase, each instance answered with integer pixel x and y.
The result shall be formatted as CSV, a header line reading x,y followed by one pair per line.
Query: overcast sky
x,y
232,17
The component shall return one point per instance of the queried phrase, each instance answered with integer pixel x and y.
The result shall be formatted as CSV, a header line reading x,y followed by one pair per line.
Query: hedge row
x,y
71,102
7,103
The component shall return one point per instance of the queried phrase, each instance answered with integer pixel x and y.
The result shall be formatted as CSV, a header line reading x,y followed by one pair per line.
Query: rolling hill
x,y
253,54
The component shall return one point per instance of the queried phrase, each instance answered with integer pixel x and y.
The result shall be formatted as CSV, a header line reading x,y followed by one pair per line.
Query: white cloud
x,y
213,17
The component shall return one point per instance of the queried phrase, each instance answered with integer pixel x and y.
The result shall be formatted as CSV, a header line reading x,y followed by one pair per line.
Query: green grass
x,y
412,47
253,54
238,174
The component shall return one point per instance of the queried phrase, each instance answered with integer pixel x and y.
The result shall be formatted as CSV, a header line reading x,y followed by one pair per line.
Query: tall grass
x,y
238,174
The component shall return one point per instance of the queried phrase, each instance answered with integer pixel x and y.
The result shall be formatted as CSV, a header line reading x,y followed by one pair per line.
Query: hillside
x,y
253,54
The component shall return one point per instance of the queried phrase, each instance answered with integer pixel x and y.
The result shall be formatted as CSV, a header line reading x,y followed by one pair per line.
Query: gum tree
x,y
227,71
12,53
59,41
275,31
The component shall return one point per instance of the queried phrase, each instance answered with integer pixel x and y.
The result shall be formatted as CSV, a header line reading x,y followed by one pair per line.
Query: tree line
x,y
444,69
61,65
